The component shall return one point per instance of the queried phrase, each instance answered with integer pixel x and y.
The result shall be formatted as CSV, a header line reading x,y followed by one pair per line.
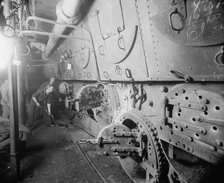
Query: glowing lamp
x,y
6,51
16,62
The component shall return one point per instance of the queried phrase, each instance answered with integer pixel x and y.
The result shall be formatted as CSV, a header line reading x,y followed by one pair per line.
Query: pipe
x,y
21,91
20,15
6,10
13,104
14,126
20,44
29,32
53,22
67,12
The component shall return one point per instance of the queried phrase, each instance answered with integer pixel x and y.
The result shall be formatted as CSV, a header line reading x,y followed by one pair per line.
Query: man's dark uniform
x,y
43,99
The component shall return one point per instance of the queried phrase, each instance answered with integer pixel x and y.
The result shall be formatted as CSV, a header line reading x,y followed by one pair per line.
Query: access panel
x,y
117,40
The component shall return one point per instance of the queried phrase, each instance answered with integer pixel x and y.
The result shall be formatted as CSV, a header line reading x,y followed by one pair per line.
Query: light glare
x,y
6,51
69,66
16,62
3,65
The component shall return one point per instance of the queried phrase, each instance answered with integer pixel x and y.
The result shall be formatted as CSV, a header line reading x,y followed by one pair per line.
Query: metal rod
x,y
6,8
21,98
51,34
14,127
53,22
92,164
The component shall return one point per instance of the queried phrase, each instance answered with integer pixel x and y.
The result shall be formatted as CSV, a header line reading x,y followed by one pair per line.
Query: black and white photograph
x,y
111,91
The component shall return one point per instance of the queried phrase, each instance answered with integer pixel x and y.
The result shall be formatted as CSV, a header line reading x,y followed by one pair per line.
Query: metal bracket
x,y
134,88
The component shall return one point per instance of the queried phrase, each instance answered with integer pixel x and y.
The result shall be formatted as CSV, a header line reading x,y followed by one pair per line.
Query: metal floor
x,y
53,154
108,169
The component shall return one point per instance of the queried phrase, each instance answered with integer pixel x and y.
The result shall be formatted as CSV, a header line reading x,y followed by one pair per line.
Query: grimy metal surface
x,y
169,49
156,69
141,36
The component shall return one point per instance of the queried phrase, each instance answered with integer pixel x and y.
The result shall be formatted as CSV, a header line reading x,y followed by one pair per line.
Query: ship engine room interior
x,y
111,91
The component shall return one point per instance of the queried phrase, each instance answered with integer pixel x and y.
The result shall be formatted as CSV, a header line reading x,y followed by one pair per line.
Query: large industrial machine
x,y
150,72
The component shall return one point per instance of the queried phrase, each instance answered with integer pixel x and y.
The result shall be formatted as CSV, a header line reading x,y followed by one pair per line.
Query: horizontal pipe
x,y
29,32
55,23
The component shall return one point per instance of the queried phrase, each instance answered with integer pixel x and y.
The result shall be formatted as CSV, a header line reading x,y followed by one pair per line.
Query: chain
x,y
14,11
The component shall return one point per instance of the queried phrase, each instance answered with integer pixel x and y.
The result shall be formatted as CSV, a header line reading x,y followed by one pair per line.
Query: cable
x,y
92,164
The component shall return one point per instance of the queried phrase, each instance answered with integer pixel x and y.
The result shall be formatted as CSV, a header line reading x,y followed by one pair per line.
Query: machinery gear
x,y
134,139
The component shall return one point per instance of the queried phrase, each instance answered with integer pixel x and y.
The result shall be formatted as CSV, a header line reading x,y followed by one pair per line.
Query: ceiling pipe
x,y
67,12
6,10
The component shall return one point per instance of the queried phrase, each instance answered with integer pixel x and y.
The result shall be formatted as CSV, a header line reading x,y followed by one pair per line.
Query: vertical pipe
x,y
14,127
26,92
20,86
13,107
20,15
6,11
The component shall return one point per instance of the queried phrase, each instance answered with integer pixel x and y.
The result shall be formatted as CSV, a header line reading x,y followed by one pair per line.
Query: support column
x,y
14,126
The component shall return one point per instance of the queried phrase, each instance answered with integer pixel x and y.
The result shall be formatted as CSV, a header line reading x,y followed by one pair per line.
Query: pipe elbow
x,y
62,15
44,57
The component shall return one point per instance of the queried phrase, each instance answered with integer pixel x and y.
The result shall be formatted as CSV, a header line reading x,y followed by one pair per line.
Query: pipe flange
x,y
66,19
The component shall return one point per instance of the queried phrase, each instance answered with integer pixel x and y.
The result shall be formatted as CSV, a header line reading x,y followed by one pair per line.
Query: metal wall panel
x,y
117,40
171,43
77,57
153,40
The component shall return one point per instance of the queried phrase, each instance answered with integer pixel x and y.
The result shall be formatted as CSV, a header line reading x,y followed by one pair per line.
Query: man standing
x,y
42,99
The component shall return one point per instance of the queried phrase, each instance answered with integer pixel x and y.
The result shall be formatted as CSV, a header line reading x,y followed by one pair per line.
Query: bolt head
x,y
151,103
164,89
